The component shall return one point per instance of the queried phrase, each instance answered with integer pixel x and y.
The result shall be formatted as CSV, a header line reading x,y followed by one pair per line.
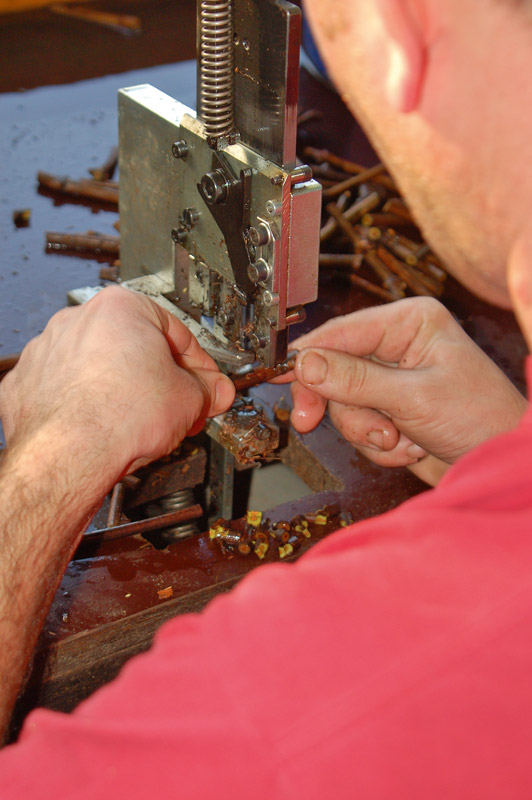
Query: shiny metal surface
x,y
267,34
157,190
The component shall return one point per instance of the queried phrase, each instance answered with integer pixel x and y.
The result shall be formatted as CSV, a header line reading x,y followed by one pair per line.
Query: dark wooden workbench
x,y
107,607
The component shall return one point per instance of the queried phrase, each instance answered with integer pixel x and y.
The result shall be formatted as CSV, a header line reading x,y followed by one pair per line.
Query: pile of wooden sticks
x,y
368,234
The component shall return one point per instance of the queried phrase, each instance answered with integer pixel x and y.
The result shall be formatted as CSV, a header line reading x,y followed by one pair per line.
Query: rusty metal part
x,y
182,470
143,525
264,374
115,506
245,431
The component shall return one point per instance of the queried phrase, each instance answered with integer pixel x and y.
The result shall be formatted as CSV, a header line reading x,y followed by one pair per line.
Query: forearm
x,y
48,491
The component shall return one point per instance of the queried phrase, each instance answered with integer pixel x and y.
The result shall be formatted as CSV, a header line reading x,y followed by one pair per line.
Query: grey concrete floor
x,y
274,484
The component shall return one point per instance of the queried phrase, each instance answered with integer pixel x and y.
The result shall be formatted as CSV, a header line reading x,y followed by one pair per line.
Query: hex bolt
x,y
179,235
180,149
263,433
273,209
300,174
270,299
257,342
190,217
259,236
215,187
259,271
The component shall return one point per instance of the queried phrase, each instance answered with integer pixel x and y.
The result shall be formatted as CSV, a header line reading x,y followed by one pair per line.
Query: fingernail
x,y
313,368
415,451
376,438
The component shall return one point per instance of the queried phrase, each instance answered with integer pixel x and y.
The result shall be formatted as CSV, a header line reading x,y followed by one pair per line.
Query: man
x,y
394,659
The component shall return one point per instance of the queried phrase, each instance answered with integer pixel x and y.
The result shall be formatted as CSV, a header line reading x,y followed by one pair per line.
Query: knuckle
x,y
354,378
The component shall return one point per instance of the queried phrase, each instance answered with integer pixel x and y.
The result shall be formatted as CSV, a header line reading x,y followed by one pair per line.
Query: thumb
x,y
520,284
351,380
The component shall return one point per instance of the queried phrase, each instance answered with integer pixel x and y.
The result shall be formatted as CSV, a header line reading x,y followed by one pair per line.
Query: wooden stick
x,y
341,261
107,170
402,271
7,363
390,281
310,115
104,191
396,205
385,221
326,157
323,171
355,180
126,22
372,288
88,242
362,206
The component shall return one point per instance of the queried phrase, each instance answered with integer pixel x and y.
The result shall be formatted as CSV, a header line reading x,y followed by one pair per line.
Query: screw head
x,y
190,217
273,209
259,236
215,187
257,342
270,299
180,149
259,271
179,235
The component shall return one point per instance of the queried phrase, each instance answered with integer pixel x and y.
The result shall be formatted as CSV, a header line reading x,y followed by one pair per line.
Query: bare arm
x,y
107,387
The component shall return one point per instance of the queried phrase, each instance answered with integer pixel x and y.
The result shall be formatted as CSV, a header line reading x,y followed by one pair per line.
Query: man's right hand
x,y
120,377
404,384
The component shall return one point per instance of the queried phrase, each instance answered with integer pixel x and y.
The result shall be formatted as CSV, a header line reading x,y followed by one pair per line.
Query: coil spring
x,y
174,502
216,67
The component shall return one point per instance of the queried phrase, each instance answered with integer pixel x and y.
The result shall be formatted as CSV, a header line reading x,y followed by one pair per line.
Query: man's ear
x,y
403,53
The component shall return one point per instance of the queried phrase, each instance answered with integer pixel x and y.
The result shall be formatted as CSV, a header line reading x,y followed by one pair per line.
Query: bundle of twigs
x,y
368,233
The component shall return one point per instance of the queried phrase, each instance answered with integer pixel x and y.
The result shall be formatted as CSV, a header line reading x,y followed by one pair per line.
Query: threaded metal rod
x,y
215,61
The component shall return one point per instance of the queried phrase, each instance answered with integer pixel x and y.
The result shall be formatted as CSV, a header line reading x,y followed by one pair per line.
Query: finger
x,y
308,408
520,284
364,426
397,332
429,469
184,346
404,454
354,381
219,391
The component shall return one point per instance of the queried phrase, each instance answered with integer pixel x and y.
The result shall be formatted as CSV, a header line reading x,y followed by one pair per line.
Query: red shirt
x,y
393,661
